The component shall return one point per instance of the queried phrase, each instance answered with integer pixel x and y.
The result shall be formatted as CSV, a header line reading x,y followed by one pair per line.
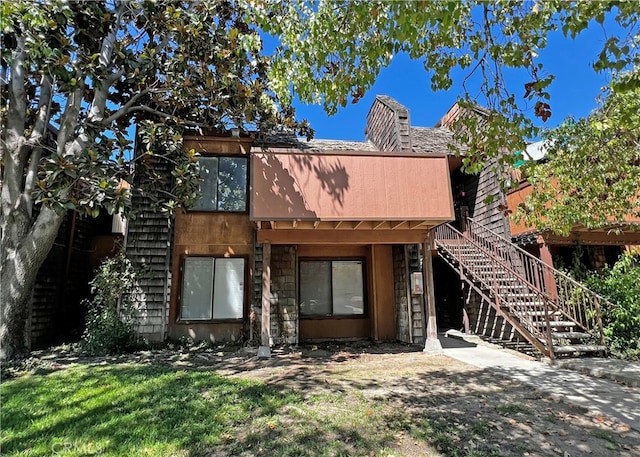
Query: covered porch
x,y
335,233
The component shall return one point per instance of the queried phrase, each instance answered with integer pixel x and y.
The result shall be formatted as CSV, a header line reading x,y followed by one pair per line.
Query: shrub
x,y
111,315
621,319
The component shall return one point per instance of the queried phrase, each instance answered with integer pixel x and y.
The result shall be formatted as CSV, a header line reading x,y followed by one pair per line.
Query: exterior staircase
x,y
553,312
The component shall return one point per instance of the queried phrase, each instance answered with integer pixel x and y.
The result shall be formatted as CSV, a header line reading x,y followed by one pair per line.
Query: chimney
x,y
388,125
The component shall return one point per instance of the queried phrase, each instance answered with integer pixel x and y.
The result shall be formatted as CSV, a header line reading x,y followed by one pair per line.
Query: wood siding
x,y
340,186
383,313
211,235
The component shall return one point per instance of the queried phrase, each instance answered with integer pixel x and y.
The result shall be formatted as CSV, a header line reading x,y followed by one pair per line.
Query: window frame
x,y
213,320
365,298
246,187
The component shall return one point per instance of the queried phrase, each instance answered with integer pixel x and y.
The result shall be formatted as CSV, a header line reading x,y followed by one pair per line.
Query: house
x,y
299,241
386,239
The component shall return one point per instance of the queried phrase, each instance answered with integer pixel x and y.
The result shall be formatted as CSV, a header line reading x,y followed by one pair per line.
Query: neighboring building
x,y
594,248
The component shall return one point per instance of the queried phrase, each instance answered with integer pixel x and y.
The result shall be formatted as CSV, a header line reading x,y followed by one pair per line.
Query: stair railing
x,y
464,248
574,300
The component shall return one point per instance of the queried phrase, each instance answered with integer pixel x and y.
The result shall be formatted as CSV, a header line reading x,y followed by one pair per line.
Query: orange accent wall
x,y
514,199
518,196
329,329
357,186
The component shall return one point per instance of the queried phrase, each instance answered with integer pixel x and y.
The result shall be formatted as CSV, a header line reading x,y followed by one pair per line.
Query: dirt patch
x,y
441,406
392,400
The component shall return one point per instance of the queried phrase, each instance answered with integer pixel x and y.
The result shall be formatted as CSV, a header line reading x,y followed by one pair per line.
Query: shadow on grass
x,y
315,401
162,410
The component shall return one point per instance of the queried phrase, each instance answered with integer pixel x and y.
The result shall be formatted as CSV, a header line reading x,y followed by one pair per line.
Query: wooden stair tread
x,y
557,323
579,348
540,313
569,335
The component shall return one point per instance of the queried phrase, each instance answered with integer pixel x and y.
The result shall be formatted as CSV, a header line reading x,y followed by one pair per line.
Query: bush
x,y
621,319
111,316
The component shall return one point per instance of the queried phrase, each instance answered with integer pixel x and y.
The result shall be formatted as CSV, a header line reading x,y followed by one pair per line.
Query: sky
x,y
573,92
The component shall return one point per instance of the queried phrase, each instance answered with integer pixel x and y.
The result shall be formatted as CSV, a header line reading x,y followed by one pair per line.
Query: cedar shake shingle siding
x,y
388,125
483,194
149,247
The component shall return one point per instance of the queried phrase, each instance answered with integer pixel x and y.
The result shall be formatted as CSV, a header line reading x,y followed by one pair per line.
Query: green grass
x,y
146,410
508,409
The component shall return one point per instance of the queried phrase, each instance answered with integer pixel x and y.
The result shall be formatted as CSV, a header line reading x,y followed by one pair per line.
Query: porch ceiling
x,y
349,191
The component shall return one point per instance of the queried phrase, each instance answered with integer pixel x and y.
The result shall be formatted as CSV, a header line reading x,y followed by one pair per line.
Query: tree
x,y
333,51
75,76
592,169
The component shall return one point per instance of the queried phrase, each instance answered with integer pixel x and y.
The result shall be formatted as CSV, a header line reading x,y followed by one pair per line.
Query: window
x,y
331,287
212,288
225,184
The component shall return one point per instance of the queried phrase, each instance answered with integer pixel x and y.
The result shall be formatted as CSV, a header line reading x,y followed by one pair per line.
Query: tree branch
x,y
165,115
101,93
16,118
69,119
44,110
126,107
30,178
13,141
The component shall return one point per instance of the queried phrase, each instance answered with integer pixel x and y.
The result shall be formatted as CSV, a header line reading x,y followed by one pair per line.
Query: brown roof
x,y
287,141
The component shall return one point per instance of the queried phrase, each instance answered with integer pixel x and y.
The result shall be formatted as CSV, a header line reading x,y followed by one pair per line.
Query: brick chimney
x,y
388,125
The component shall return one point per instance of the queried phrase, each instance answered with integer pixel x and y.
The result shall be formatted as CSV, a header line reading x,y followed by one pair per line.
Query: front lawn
x,y
152,410
386,401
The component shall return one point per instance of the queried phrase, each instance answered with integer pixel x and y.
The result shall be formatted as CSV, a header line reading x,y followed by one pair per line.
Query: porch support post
x,y
432,344
264,350
548,277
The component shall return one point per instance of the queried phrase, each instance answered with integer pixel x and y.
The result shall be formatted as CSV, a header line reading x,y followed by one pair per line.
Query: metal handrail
x,y
573,299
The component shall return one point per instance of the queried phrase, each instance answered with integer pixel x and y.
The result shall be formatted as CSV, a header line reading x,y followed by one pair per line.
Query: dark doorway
x,y
448,292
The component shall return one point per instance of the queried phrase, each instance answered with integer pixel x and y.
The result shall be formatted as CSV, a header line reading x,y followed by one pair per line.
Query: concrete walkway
x,y
595,394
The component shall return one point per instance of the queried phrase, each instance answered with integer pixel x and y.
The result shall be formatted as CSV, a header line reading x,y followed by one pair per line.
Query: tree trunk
x,y
20,260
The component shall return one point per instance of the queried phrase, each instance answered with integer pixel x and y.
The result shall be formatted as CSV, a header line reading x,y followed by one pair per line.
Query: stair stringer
x,y
487,295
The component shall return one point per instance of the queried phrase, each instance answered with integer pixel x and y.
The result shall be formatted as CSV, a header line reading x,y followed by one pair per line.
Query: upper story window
x,y
225,184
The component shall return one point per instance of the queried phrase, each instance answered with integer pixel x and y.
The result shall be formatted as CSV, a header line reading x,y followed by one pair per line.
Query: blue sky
x,y
573,92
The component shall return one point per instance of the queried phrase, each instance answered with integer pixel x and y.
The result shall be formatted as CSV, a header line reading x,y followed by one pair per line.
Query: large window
x,y
225,184
212,288
331,287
